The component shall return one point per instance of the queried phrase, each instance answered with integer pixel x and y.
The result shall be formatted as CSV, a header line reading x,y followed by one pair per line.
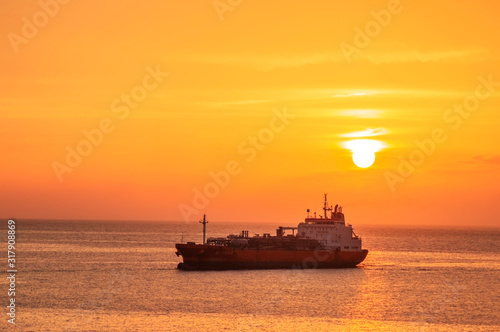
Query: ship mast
x,y
204,222
326,208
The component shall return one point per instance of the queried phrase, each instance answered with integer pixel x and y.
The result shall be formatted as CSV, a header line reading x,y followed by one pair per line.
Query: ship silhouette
x,y
325,241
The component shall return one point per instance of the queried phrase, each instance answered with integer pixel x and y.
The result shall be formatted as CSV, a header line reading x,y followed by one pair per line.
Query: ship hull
x,y
210,257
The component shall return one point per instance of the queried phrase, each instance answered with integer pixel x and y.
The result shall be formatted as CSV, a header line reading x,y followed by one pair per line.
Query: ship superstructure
x,y
330,230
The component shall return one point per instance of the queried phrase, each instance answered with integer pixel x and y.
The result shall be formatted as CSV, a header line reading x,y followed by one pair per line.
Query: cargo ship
x,y
323,241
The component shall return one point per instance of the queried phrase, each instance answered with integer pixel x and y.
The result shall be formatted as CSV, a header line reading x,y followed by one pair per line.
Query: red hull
x,y
210,257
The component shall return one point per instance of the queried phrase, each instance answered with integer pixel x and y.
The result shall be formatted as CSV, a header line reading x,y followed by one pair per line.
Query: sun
x,y
363,151
363,158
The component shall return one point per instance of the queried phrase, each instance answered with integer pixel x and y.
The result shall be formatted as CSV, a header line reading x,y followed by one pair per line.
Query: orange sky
x,y
172,92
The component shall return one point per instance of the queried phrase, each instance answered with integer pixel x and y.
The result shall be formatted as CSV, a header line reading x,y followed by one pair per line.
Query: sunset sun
x,y
363,158
363,151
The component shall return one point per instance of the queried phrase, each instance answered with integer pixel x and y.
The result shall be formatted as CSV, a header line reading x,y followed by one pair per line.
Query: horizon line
x,y
481,226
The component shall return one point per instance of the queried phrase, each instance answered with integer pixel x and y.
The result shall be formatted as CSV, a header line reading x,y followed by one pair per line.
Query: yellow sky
x,y
157,99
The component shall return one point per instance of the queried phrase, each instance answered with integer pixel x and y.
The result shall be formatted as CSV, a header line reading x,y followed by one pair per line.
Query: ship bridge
x,y
330,229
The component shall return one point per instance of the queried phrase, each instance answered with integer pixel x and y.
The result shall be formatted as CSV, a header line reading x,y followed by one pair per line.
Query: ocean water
x,y
122,276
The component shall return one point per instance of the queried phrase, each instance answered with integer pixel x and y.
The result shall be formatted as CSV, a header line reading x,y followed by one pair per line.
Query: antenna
x,y
204,222
325,207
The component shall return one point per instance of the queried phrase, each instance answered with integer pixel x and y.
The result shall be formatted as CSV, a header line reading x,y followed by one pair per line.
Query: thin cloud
x,y
481,159
367,113
369,132
460,56
350,94
268,62
263,62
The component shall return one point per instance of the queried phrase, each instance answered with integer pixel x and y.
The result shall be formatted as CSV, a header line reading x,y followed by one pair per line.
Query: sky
x,y
250,111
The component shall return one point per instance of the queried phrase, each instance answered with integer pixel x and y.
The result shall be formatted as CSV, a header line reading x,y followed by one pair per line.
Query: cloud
x,y
349,94
264,62
364,145
369,132
367,113
460,56
270,61
244,102
481,159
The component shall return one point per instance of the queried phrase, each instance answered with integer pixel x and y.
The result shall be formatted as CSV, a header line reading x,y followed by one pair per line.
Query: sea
x,y
123,276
